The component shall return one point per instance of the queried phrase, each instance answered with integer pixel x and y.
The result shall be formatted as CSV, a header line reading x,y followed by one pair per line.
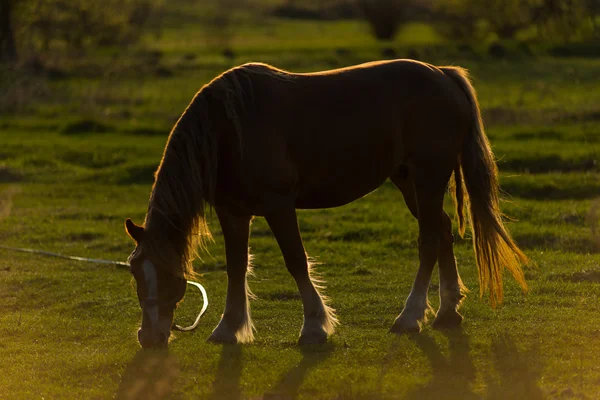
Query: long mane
x,y
185,181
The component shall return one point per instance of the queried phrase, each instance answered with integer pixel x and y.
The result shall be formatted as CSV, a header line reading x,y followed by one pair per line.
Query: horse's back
x,y
336,135
353,102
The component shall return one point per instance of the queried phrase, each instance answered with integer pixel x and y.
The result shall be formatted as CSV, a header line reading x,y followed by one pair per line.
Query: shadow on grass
x,y
549,191
452,376
518,371
546,241
229,372
548,163
150,375
289,383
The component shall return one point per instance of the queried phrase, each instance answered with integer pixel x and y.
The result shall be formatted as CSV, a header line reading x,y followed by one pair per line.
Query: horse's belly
x,y
335,194
339,177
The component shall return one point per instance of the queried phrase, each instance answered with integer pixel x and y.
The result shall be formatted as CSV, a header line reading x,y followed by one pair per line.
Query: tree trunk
x,y
8,48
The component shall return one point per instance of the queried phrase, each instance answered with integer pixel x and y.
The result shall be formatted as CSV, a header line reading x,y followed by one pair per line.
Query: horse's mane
x,y
185,181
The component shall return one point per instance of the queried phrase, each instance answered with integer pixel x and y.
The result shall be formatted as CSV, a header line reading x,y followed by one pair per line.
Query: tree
x,y
554,19
8,47
72,24
384,16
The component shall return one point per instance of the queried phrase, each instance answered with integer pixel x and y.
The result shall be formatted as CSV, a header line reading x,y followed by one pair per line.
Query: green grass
x,y
81,159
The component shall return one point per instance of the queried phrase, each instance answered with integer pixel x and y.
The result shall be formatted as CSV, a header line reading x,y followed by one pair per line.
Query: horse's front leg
x,y
235,325
319,319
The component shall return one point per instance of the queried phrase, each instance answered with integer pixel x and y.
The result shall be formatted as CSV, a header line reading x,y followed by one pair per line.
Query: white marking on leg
x,y
151,291
416,304
319,318
414,313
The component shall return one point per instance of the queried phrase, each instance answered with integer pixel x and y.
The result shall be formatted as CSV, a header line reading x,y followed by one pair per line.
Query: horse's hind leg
x,y
451,286
319,319
235,325
424,196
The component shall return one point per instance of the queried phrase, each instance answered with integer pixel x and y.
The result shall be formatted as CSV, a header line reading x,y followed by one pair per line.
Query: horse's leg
x,y
319,319
451,286
235,325
424,197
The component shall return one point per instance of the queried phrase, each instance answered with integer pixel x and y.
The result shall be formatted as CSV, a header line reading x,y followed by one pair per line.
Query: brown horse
x,y
259,141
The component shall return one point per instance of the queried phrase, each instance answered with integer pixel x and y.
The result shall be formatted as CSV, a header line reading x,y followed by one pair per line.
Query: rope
x,y
204,306
57,255
119,264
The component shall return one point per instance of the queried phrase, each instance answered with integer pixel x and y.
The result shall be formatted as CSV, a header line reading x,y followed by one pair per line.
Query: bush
x,y
507,17
458,19
220,21
384,16
75,25
554,20
567,19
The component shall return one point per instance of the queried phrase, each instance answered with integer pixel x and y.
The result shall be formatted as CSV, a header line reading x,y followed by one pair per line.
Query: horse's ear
x,y
134,231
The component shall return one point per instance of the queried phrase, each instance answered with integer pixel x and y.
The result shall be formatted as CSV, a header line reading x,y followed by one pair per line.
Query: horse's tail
x,y
493,245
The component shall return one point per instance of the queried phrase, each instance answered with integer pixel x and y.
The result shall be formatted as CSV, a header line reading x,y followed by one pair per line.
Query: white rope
x,y
204,306
47,253
120,264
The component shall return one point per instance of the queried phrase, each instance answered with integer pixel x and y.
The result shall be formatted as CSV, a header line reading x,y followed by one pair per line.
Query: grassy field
x,y
78,161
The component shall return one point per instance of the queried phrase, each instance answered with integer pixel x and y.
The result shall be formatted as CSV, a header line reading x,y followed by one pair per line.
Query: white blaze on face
x,y
151,292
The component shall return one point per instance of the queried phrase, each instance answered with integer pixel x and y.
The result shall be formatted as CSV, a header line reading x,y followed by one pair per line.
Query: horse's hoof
x,y
313,337
219,336
447,320
402,326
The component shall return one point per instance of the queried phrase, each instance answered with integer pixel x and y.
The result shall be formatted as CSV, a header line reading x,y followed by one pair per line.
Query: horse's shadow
x,y
289,383
452,375
150,375
229,372
517,372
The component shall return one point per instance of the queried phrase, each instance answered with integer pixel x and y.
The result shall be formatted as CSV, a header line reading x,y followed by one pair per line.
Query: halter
x,y
151,300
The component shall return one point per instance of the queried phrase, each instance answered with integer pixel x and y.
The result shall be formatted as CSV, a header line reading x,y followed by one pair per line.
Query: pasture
x,y
81,160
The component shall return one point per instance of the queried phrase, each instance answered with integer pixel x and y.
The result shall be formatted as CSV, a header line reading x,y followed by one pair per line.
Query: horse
x,y
261,141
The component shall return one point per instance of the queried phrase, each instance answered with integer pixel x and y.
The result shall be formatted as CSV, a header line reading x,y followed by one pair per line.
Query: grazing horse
x,y
260,141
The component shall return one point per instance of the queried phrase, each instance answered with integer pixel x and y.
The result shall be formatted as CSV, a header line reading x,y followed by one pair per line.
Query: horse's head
x,y
158,292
